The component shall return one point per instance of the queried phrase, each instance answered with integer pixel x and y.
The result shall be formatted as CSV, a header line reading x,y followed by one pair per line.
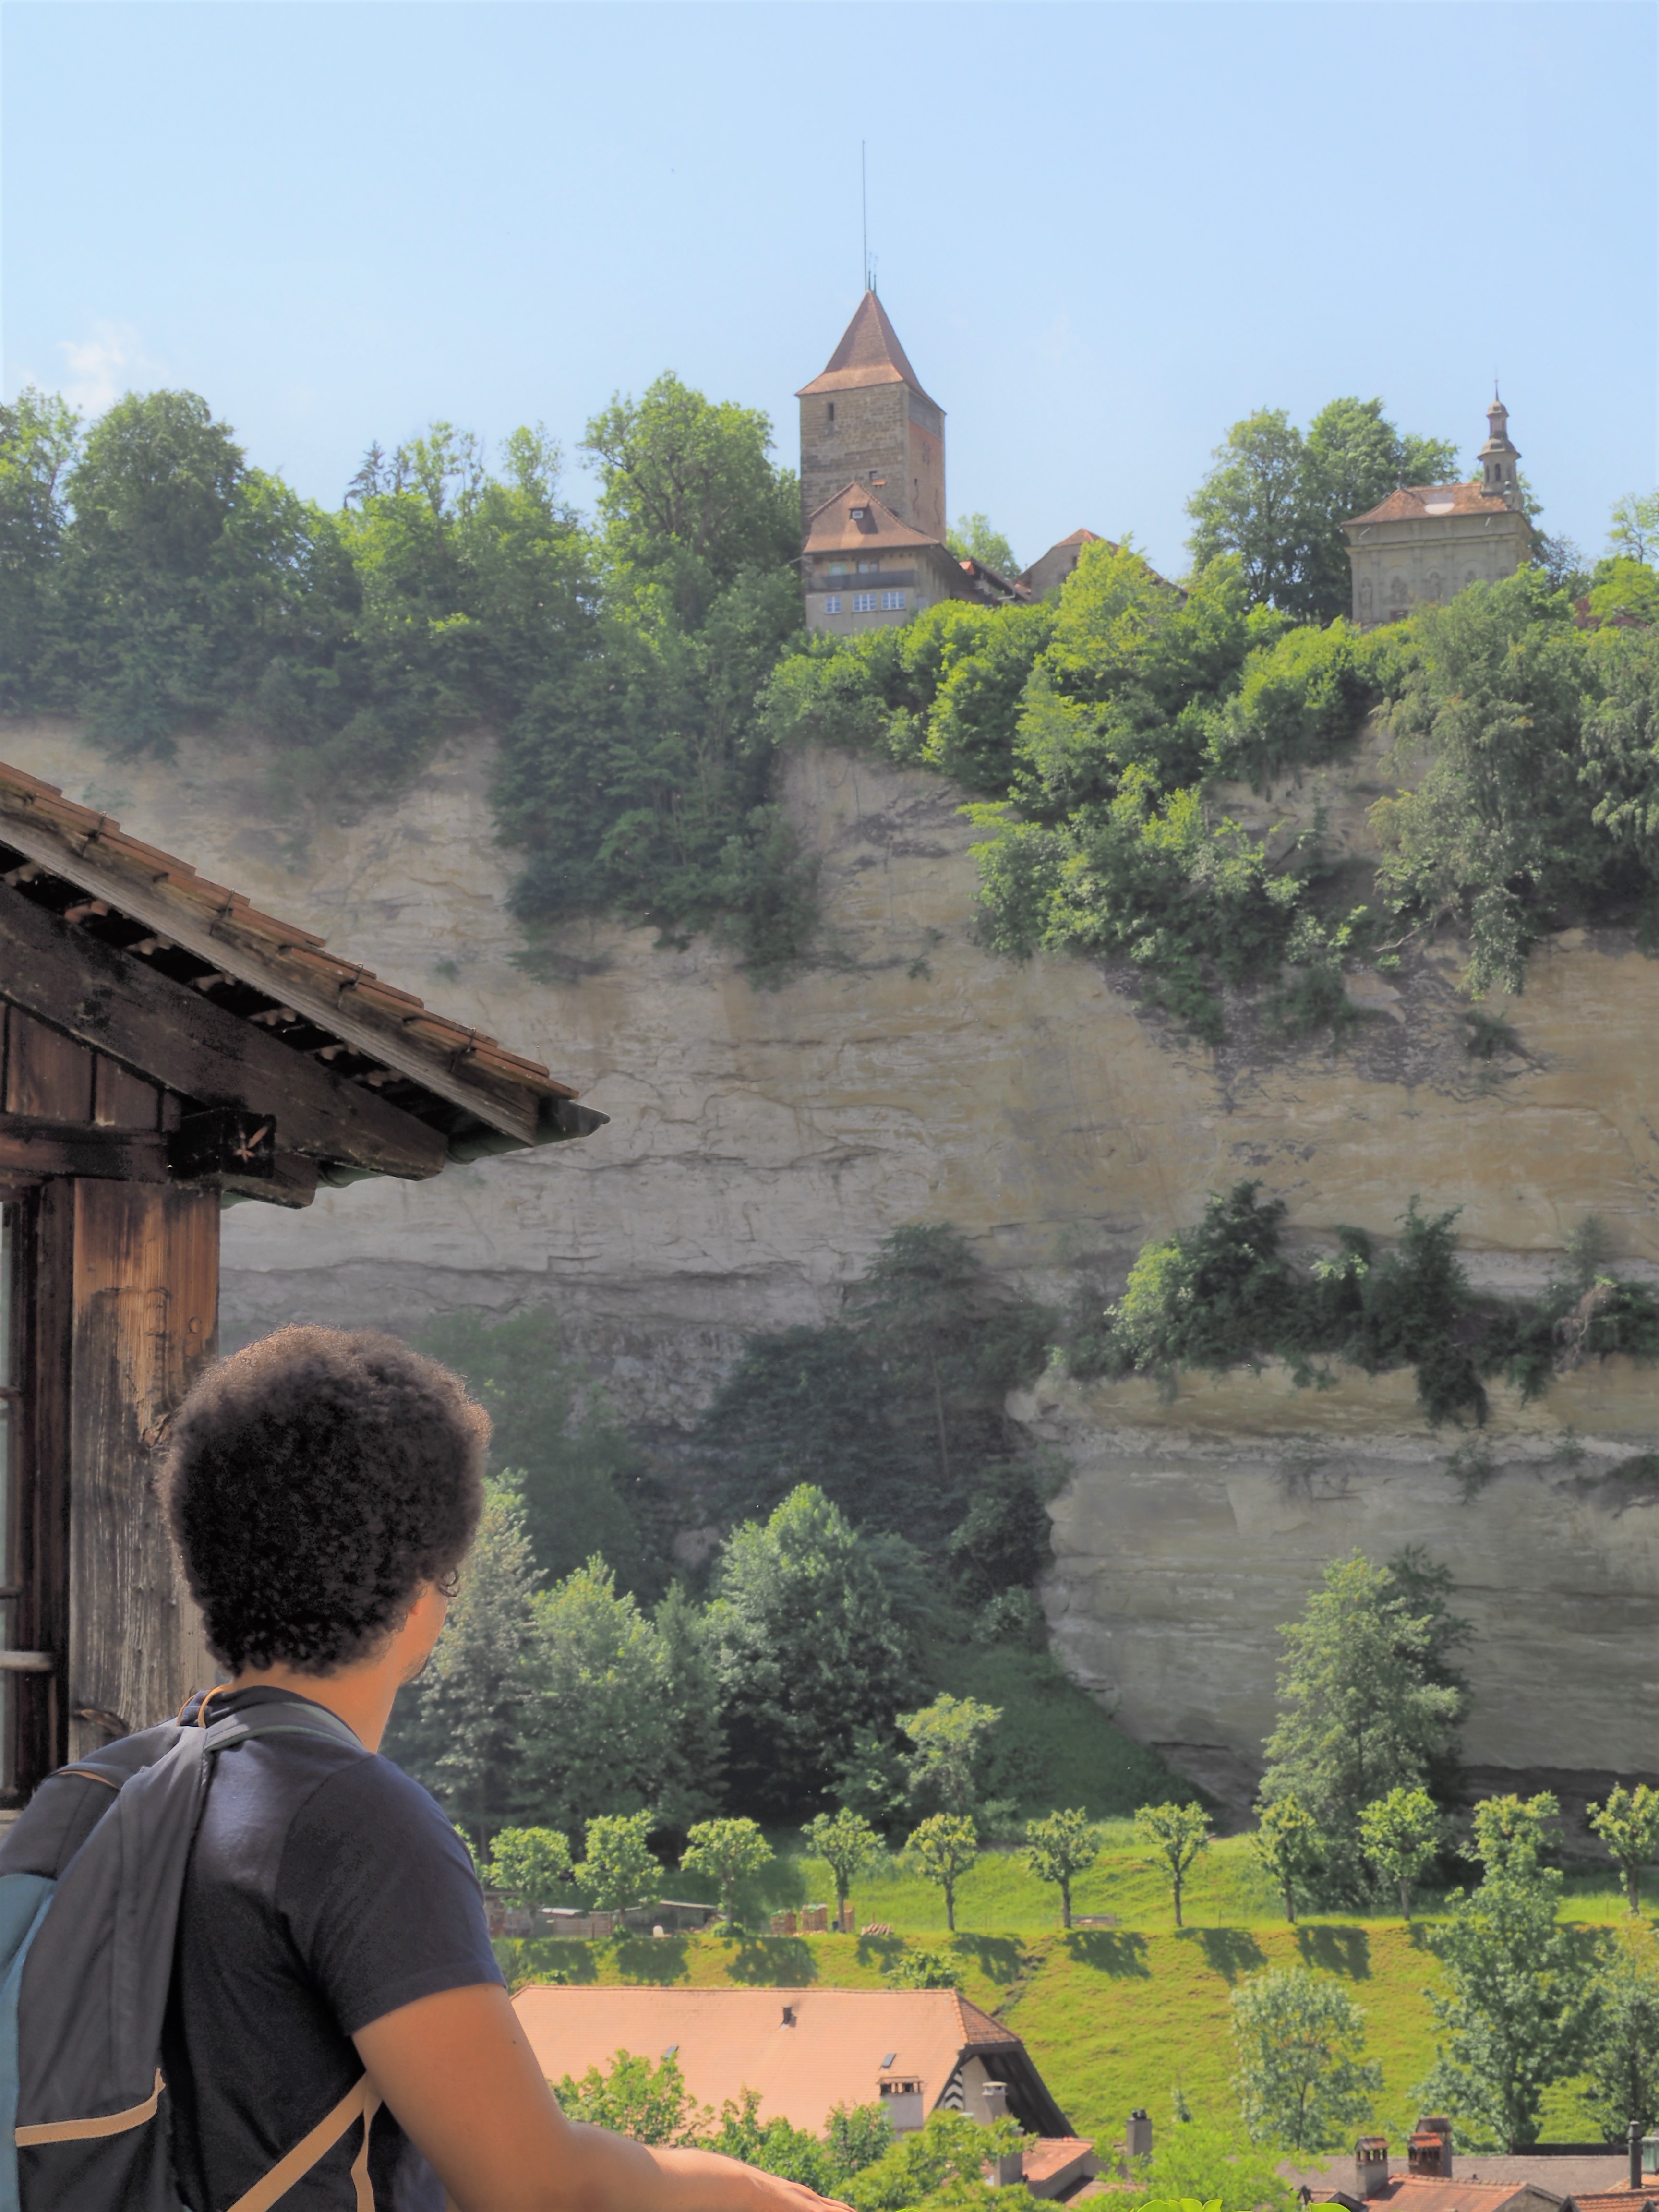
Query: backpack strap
x,y
362,2098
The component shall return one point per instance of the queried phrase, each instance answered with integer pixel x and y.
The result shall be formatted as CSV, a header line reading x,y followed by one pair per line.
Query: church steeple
x,y
1499,476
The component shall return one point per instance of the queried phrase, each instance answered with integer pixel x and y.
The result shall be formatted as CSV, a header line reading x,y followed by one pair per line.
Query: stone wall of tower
x,y
925,487
865,440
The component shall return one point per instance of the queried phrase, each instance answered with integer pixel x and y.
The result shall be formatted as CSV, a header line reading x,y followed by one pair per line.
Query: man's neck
x,y
358,1695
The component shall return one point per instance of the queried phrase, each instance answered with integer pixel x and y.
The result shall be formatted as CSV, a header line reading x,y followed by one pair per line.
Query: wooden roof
x,y
127,948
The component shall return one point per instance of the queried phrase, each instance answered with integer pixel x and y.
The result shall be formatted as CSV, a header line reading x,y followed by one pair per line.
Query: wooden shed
x,y
166,1050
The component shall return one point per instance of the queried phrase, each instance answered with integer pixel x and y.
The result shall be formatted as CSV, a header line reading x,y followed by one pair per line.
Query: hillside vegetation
x,y
1114,2017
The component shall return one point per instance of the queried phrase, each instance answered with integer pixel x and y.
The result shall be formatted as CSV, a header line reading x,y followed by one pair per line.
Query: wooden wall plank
x,y
39,1529
47,1074
145,1322
111,1000
121,1100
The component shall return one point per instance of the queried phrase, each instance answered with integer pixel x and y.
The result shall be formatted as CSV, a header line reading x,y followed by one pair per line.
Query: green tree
x,y
1302,2079
948,2152
1176,1833
693,1784
459,1729
730,1851
941,1850
618,1869
1633,531
1288,1845
1195,2161
39,436
974,539
1627,1821
1400,1835
918,1968
1279,499
847,1843
806,1648
1058,1849
773,2146
1621,2068
597,1727
532,1864
1514,2008
1358,1715
1499,831
634,2098
576,1469
949,1736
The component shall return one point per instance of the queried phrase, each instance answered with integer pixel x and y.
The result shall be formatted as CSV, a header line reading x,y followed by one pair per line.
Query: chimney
x,y
1137,2135
1633,2137
995,2096
788,2015
1370,2166
1430,2151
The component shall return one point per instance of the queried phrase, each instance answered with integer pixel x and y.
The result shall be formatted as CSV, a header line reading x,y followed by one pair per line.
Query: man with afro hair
x,y
323,1488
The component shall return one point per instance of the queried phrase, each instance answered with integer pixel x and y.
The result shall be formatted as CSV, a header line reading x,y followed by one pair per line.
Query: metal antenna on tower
x,y
863,205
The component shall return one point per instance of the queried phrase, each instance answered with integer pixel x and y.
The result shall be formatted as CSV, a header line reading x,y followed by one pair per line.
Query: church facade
x,y
1425,542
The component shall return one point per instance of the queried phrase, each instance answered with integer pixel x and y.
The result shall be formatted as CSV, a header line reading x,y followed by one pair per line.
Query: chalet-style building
x,y
165,1051
805,2051
873,527
1425,542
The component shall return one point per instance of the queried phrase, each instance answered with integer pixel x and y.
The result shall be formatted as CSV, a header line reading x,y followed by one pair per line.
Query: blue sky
x,y
1103,232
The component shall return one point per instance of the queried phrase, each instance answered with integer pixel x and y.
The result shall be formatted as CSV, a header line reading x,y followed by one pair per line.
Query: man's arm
x,y
458,2072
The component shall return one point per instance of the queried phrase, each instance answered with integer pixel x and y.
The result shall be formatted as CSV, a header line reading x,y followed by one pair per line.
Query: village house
x,y
165,1051
805,2051
1548,2178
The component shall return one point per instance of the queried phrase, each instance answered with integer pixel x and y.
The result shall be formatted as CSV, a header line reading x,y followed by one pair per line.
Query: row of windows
x,y
864,603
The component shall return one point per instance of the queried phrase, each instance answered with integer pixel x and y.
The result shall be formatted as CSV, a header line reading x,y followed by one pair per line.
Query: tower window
x,y
830,415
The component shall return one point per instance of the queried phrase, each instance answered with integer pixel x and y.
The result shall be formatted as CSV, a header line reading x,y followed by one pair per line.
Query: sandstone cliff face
x,y
762,1143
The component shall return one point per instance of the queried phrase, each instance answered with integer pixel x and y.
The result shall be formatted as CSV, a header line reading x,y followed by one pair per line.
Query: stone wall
x,y
762,1145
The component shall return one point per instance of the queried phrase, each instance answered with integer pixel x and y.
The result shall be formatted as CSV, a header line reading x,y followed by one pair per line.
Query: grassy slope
x,y
1114,2017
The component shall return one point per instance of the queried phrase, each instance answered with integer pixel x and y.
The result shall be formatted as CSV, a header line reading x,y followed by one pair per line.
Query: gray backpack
x,y
91,1877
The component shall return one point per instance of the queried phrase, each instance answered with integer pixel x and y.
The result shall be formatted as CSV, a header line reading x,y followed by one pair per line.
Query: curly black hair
x,y
311,1483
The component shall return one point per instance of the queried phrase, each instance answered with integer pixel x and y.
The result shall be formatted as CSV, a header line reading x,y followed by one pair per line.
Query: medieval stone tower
x,y
867,419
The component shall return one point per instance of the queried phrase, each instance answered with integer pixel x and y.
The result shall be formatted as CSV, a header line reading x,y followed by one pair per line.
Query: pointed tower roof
x,y
869,353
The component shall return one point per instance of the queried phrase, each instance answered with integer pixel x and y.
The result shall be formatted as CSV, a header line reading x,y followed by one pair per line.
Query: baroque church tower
x,y
866,420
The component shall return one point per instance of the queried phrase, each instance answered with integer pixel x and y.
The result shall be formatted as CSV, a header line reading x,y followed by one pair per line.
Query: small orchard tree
x,y
619,1869
729,1851
947,1736
1176,1833
1628,1824
634,2098
941,1850
1302,2081
1287,1844
847,1843
1400,1836
1060,1847
532,1864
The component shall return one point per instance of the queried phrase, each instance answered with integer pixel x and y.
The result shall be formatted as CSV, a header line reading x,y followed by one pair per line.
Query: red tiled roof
x,y
838,2047
831,528
291,966
869,353
1415,503
1416,2192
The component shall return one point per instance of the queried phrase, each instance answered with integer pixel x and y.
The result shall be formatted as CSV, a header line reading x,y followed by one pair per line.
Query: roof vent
x,y
789,2015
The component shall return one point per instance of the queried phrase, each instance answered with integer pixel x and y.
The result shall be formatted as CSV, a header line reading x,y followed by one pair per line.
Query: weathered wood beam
x,y
114,1001
505,1106
35,1151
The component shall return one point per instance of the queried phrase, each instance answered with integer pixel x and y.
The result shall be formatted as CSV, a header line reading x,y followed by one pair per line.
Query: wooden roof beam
x,y
177,1036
